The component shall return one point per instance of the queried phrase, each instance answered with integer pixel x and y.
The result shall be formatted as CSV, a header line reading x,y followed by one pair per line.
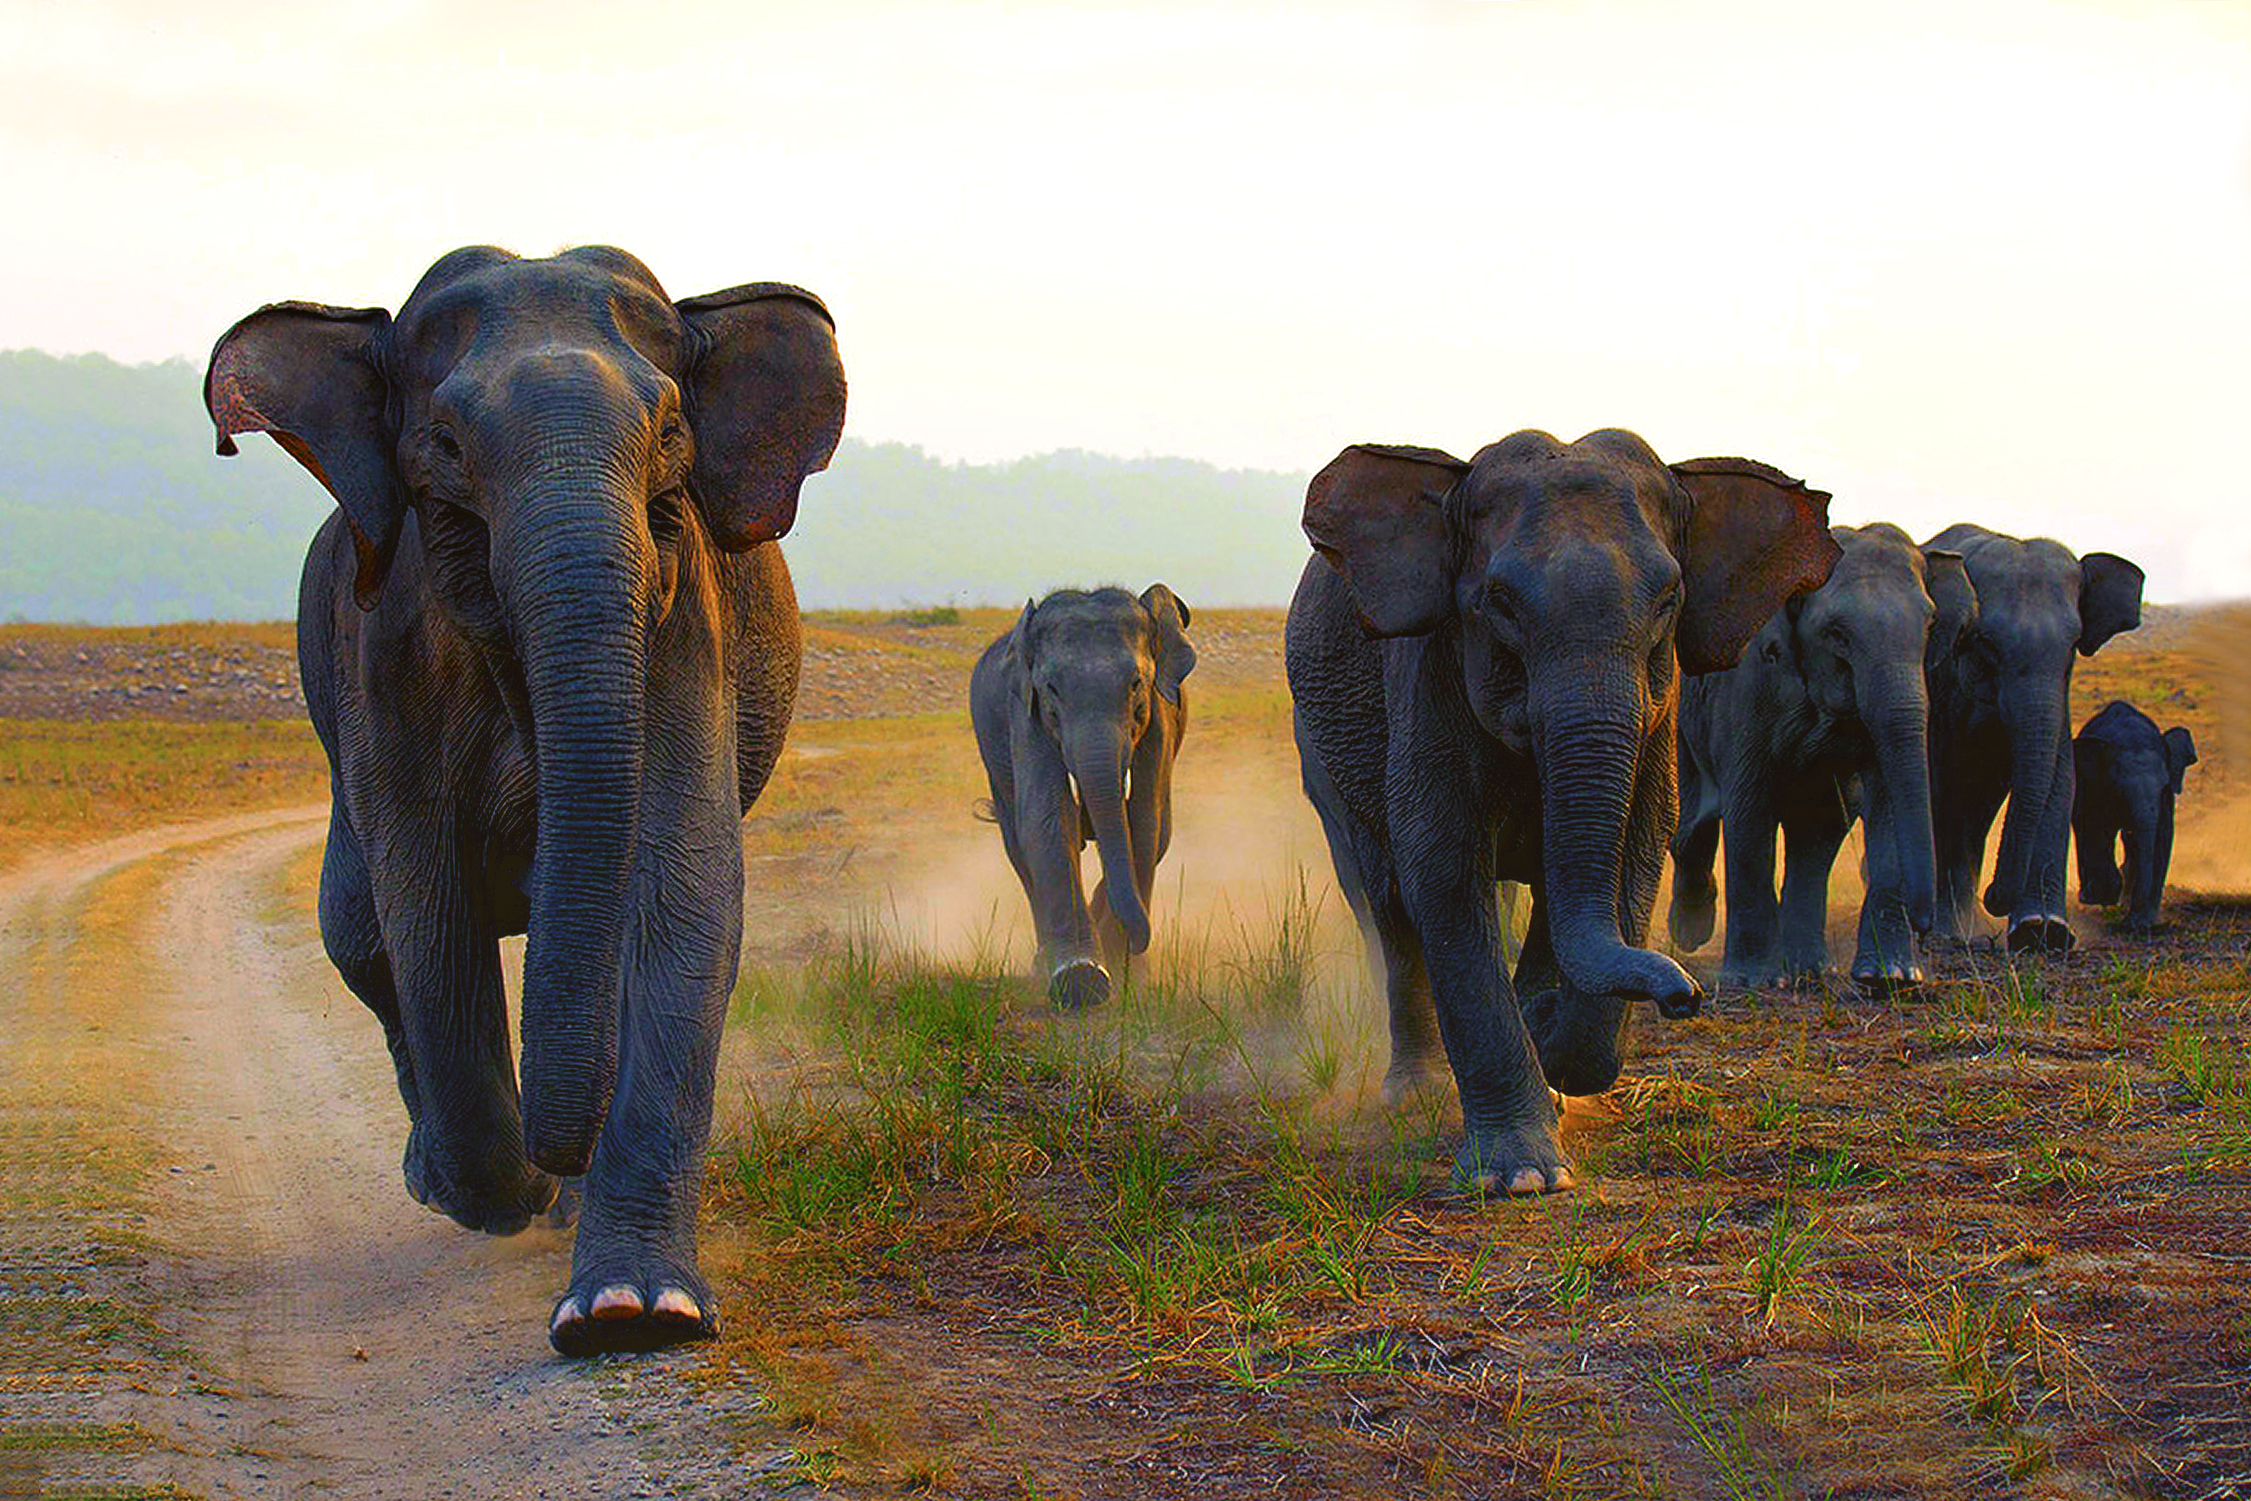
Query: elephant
x,y
2001,727
1079,713
1484,662
2128,774
550,647
1826,718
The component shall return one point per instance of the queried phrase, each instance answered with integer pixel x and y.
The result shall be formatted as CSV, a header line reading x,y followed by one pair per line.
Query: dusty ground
x,y
2011,1213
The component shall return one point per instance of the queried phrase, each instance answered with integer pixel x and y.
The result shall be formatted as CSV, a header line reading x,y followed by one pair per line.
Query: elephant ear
x,y
1375,513
1175,657
1947,579
2110,599
765,396
1756,539
2180,753
307,374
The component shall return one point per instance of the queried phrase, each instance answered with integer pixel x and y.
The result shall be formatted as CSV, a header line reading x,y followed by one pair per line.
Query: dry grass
x,y
1826,1246
64,782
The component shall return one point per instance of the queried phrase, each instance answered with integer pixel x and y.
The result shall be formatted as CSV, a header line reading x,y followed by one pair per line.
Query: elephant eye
x,y
448,447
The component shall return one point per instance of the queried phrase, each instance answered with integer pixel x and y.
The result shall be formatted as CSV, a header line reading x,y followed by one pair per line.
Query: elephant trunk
x,y
583,638
1098,756
2035,717
1896,710
1587,742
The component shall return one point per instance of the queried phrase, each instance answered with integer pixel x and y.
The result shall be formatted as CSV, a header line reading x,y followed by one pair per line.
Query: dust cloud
x,y
2212,828
1246,845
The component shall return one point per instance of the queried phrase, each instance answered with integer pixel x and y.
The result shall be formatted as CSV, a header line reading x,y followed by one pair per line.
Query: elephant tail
x,y
982,811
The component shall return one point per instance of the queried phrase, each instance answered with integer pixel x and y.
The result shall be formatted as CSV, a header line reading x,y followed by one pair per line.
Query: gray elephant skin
x,y
550,648
2128,772
1484,661
2001,726
1079,714
1825,720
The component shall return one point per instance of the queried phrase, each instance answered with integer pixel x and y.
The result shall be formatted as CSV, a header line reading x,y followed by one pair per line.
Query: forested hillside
x,y
114,510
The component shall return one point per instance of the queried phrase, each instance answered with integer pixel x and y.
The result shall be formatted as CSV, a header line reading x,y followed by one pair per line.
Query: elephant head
x,y
2037,606
2180,755
1092,668
1578,579
553,432
1862,644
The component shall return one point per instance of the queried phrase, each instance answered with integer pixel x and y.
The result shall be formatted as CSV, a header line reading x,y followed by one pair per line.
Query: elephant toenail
x,y
618,1302
566,1314
676,1306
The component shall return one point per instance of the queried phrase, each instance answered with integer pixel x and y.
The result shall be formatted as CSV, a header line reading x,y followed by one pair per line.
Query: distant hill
x,y
114,510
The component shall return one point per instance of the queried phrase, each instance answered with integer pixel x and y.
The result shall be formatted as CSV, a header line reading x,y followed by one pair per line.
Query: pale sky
x,y
1952,261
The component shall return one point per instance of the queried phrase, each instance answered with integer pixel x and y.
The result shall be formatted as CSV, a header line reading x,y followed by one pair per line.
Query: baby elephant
x,y
1079,713
1826,719
2128,774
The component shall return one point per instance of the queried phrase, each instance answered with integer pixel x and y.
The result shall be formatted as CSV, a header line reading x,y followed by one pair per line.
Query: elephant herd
x,y
551,648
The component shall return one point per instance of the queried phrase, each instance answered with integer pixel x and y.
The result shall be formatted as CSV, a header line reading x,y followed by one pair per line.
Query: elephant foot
x,y
1766,974
1576,1037
625,1315
1409,1075
2046,934
1513,1159
1078,984
563,1213
1694,914
1806,974
494,1198
1890,978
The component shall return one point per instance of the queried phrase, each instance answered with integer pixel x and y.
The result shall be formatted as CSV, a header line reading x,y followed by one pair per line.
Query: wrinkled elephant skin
x,y
1079,712
550,647
1824,721
1484,663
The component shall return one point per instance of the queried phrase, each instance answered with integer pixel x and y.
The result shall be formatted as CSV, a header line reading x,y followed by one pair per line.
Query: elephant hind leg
x,y
354,940
1363,870
1695,907
1416,1050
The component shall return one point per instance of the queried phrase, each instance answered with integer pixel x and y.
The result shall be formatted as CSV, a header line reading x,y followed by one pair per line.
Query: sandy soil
x,y
309,1329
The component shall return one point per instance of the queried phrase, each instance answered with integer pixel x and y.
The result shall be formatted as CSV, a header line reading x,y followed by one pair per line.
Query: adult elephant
x,y
1483,664
551,649
2128,772
1826,719
1079,712
2001,725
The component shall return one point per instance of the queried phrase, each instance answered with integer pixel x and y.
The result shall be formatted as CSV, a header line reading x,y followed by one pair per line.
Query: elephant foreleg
x,y
465,1151
1508,1116
1812,832
2039,920
1754,915
634,1273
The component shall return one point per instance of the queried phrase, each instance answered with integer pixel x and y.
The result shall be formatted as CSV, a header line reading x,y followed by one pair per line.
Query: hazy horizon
x,y
1946,262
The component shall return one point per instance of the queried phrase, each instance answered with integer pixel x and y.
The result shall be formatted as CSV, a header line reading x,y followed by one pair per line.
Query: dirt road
x,y
224,1286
